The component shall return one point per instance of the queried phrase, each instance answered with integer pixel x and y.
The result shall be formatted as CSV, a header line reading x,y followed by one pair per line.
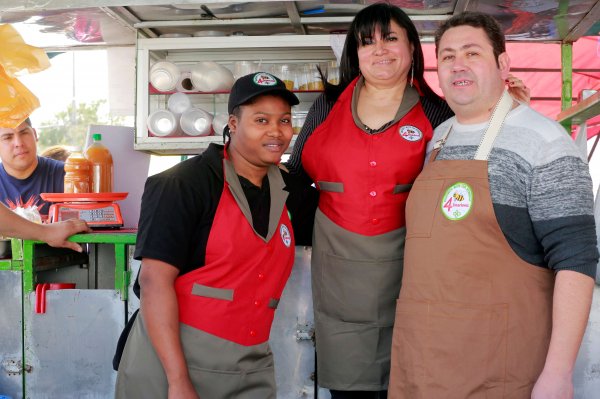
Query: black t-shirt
x,y
179,205
259,200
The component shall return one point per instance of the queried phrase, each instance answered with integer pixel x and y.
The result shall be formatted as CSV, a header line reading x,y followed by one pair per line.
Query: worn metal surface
x,y
292,334
11,339
586,376
70,347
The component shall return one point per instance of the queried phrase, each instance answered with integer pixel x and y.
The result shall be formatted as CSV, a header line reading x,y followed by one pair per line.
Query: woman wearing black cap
x,y
217,247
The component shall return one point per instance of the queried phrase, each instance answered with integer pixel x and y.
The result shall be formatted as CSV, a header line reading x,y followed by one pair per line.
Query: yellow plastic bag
x,y
16,101
16,57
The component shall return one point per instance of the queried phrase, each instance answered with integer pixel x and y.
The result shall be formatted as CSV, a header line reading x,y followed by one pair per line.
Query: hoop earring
x,y
412,72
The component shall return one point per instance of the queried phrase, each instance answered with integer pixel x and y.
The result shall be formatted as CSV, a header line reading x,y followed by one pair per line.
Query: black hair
x,y
237,112
490,26
364,25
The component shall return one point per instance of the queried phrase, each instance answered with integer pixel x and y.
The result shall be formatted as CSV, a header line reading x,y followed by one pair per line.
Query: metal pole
x,y
567,79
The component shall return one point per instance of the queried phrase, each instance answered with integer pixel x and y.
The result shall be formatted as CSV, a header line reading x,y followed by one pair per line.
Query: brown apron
x,y
473,319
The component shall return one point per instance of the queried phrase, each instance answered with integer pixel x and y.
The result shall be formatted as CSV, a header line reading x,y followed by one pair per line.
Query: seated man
x,y
24,174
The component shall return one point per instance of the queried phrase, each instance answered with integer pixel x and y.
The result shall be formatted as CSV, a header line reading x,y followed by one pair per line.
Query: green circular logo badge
x,y
457,201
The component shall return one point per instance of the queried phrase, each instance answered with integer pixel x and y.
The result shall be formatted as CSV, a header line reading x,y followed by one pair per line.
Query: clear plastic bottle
x,y
77,174
102,166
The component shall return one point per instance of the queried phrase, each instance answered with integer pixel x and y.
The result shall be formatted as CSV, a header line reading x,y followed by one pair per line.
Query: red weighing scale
x,y
97,209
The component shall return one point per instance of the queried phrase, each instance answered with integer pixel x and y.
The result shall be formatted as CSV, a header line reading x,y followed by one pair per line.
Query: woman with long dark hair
x,y
363,145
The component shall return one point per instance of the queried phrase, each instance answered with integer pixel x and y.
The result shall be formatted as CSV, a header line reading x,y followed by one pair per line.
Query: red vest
x,y
234,295
375,170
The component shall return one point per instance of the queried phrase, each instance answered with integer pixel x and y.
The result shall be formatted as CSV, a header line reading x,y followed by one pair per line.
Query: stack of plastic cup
x,y
164,76
196,122
178,103
161,123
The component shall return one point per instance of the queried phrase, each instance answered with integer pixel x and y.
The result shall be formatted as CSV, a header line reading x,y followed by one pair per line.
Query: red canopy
x,y
539,66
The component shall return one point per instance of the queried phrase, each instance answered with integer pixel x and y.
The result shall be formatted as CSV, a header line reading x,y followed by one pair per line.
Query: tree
x,y
70,127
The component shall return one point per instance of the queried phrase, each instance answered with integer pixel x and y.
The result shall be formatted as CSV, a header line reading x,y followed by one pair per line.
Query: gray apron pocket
x,y
449,347
352,357
273,303
212,292
216,384
223,369
334,187
402,188
360,291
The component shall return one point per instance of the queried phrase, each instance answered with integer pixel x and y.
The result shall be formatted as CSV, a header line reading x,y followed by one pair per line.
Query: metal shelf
x,y
224,50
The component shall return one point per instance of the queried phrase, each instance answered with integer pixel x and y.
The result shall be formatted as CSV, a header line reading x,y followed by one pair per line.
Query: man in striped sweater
x,y
501,245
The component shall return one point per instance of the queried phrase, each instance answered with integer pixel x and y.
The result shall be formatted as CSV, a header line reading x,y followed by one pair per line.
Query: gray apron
x,y
355,280
219,369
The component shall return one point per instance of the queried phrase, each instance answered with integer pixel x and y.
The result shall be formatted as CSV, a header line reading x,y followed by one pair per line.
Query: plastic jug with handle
x,y
77,174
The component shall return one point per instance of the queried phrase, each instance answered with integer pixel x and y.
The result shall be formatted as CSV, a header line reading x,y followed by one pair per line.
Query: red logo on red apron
x,y
286,237
410,133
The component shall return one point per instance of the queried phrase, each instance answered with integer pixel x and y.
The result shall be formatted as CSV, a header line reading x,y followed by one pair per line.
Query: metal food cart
x,y
67,351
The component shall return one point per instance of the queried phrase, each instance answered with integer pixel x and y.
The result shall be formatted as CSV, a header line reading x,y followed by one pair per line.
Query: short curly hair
x,y
58,152
490,26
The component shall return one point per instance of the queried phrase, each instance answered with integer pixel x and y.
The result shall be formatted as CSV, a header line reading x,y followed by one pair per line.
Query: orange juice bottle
x,y
77,174
102,166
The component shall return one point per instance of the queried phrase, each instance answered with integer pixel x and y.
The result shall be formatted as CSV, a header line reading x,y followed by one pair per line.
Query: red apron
x,y
473,319
226,307
234,295
364,179
358,241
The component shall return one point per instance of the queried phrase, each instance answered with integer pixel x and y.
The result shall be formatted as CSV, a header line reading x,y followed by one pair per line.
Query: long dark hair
x,y
366,21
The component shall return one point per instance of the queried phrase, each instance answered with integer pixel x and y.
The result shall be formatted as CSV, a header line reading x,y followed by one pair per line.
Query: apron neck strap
x,y
501,109
496,121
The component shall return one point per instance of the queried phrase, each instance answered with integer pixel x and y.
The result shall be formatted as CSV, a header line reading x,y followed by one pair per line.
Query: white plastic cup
x,y
178,103
196,122
219,122
164,76
161,123
208,76
243,68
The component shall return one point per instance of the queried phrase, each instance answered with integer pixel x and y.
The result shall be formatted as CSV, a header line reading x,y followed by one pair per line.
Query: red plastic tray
x,y
83,197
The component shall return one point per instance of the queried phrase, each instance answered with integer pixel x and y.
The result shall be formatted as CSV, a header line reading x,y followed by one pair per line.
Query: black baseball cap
x,y
256,84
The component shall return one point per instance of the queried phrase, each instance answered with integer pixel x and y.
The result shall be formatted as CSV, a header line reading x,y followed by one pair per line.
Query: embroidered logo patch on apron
x,y
410,133
457,201
285,235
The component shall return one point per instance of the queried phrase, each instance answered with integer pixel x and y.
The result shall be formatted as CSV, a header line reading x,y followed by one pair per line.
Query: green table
x,y
24,257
